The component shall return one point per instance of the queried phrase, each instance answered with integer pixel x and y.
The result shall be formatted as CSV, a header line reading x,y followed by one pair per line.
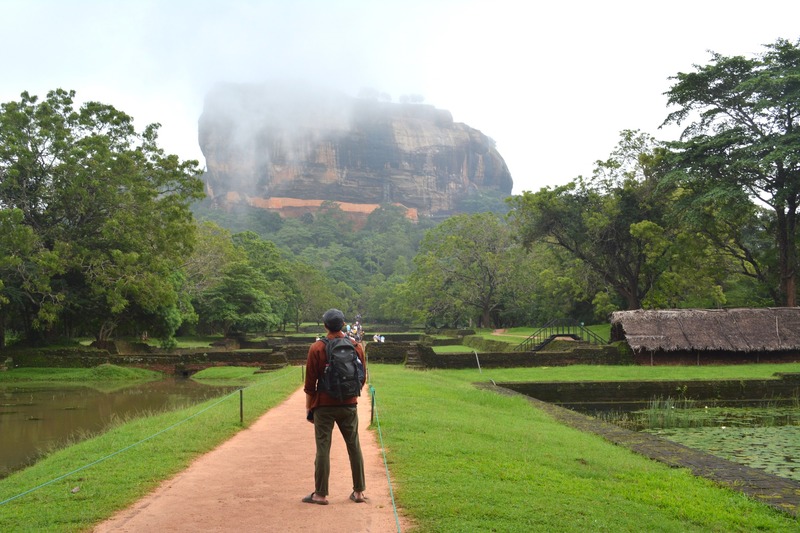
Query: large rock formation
x,y
283,147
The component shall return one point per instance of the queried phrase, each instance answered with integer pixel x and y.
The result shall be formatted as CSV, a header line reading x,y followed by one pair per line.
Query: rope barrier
x,y
385,462
126,448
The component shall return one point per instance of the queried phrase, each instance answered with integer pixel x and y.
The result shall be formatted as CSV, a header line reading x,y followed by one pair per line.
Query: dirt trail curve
x,y
255,481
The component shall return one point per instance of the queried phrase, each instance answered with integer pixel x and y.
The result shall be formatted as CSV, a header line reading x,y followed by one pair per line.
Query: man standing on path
x,y
323,410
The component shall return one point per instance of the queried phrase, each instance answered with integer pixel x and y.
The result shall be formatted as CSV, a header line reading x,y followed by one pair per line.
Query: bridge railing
x,y
558,328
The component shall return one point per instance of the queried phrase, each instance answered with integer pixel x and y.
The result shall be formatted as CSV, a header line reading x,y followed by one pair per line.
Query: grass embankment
x,y
98,373
454,348
466,459
181,342
117,468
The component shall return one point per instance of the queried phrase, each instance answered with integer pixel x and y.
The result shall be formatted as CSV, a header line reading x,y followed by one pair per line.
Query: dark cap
x,y
333,319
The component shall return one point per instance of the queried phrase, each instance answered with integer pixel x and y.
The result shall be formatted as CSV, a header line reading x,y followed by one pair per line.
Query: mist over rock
x,y
289,147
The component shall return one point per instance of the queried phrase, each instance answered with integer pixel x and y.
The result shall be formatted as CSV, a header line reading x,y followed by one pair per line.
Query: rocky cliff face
x,y
270,142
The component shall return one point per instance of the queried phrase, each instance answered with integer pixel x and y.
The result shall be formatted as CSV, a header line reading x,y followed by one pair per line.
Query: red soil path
x,y
255,481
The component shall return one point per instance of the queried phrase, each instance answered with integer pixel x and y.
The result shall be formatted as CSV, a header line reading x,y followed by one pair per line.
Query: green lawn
x,y
466,459
456,348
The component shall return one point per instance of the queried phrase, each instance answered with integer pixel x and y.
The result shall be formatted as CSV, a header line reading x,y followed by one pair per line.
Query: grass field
x,y
466,459
462,459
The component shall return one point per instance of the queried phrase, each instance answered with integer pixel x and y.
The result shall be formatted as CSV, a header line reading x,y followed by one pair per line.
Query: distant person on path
x,y
323,411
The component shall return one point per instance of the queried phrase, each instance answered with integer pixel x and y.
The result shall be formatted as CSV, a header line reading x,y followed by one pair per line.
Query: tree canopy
x,y
742,134
103,209
613,222
463,269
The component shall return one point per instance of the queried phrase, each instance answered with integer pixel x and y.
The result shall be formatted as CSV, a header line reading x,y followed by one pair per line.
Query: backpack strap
x,y
326,342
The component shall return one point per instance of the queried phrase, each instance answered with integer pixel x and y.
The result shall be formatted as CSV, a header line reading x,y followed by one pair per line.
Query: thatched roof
x,y
732,330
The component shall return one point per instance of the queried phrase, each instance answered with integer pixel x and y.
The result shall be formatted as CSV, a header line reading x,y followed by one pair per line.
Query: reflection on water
x,y
35,419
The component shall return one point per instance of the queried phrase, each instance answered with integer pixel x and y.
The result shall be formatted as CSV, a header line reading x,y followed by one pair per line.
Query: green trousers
x,y
347,420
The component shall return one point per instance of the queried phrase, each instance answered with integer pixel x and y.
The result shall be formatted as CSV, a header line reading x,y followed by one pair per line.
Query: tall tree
x,y
239,304
104,199
743,133
265,257
213,253
599,220
461,269
316,293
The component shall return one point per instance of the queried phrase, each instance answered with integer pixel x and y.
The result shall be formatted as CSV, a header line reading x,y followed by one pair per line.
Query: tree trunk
x,y
787,255
106,329
629,290
486,318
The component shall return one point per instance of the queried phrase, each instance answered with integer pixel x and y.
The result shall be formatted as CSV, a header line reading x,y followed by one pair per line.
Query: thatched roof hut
x,y
775,329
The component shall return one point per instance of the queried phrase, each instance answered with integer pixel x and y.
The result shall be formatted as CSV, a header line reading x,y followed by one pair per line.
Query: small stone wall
x,y
82,357
392,353
588,355
787,385
713,358
394,337
71,357
296,354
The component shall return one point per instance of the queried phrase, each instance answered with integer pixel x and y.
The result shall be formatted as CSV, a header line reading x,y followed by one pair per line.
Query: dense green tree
x,y
483,202
26,268
738,234
240,303
558,286
387,300
238,218
213,252
266,257
742,144
461,269
387,236
614,222
105,201
294,235
316,293
331,225
346,257
242,283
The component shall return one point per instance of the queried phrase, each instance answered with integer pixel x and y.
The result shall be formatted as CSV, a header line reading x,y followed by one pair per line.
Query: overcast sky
x,y
552,83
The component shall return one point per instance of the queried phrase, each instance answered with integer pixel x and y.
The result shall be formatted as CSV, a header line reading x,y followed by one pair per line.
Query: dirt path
x,y
255,481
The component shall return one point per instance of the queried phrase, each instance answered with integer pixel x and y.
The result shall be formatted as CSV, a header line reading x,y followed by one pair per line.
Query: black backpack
x,y
344,372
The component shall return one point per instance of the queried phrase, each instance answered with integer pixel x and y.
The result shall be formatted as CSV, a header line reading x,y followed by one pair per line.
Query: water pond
x,y
764,436
773,449
38,418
